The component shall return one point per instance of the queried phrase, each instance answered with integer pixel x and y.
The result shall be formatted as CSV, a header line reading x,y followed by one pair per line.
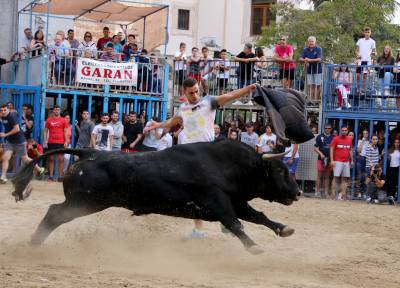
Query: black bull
x,y
209,181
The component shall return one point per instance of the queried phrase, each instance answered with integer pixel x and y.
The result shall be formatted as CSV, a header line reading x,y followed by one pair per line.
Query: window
x,y
261,15
183,19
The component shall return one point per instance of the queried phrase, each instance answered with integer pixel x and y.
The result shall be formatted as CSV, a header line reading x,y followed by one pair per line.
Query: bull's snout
x,y
299,193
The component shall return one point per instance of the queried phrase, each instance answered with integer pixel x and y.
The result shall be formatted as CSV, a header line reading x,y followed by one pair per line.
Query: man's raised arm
x,y
223,99
166,124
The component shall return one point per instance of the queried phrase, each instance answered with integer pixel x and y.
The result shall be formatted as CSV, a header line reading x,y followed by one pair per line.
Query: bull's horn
x,y
272,156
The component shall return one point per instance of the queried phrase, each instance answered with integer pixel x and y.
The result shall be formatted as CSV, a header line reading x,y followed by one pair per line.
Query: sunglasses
x,y
327,128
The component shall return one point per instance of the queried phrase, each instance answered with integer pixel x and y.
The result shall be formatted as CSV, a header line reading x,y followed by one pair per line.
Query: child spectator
x,y
249,137
180,67
109,54
194,65
343,80
206,66
223,66
385,72
34,149
37,43
365,48
261,64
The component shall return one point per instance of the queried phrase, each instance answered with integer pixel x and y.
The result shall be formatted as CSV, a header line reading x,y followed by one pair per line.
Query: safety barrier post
x,y
73,120
165,93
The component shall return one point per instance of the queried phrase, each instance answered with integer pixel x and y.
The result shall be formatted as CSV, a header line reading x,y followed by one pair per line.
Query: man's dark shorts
x,y
179,77
286,74
17,149
362,67
54,146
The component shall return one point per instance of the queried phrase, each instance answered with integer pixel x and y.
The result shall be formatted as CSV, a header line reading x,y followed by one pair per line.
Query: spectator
x,y
206,66
381,142
121,38
62,67
371,154
217,133
109,54
132,132
116,43
55,137
155,77
27,121
106,38
223,67
292,159
194,65
67,157
34,149
151,141
61,34
284,56
85,129
14,141
267,141
26,41
342,156
246,60
165,139
37,43
375,184
396,73
118,131
233,135
260,65
180,67
249,137
144,71
130,49
365,47
322,148
233,127
343,78
10,106
362,145
72,41
312,58
88,45
103,134
393,175
385,73
142,118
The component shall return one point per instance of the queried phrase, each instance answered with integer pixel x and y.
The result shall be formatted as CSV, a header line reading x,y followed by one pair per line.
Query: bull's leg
x,y
223,210
59,214
248,213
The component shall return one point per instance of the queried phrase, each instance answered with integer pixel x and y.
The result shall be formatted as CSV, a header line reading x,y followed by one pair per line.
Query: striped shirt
x,y
372,156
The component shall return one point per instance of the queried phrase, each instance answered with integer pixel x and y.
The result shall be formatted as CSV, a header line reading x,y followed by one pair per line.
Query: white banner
x,y
101,72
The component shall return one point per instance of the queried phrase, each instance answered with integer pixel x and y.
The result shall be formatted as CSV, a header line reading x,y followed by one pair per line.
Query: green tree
x,y
337,24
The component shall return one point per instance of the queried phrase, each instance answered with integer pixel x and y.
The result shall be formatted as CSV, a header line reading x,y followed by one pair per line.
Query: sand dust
x,y
336,244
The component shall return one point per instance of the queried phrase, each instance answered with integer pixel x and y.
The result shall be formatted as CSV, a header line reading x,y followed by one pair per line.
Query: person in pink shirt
x,y
284,56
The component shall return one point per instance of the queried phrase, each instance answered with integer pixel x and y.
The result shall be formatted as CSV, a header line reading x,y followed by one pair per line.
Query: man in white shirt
x,y
180,67
365,47
267,141
165,139
103,134
292,159
198,116
249,137
223,74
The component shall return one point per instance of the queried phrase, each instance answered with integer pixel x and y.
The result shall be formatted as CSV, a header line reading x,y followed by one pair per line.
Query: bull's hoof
x,y
255,250
286,231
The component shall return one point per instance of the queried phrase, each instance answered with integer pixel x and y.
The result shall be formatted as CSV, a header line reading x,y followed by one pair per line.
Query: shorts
x,y
196,76
54,146
286,74
222,82
314,79
179,77
292,167
323,169
17,149
362,67
341,169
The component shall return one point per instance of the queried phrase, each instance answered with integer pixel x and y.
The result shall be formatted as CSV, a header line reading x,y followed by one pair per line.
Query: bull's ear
x,y
273,156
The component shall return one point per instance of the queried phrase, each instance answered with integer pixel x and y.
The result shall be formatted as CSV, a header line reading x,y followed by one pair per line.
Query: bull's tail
x,y
24,176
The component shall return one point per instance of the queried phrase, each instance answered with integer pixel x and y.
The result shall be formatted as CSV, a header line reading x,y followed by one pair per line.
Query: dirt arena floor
x,y
336,244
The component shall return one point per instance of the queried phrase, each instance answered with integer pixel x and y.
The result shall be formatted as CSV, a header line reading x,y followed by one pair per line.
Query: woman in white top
x,y
87,45
343,80
261,64
393,179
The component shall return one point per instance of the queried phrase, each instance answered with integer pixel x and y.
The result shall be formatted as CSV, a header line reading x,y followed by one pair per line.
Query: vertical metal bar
x,y
149,110
165,93
19,106
36,120
105,104
4,96
59,100
166,33
353,174
340,125
386,147
47,20
42,116
121,108
89,108
371,128
135,106
398,187
144,31
74,106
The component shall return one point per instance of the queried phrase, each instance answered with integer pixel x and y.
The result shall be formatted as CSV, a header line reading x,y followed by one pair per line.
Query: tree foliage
x,y
337,24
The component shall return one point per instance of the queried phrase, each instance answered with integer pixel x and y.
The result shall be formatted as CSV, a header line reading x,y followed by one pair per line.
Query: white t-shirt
x,y
198,120
365,47
206,67
165,142
181,137
150,139
224,74
289,155
180,65
265,140
395,158
364,144
103,134
250,140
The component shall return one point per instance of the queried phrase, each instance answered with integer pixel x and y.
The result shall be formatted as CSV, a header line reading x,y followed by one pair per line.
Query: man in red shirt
x,y
342,155
284,56
55,137
106,38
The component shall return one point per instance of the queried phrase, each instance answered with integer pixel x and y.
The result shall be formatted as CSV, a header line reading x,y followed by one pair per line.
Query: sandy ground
x,y
336,244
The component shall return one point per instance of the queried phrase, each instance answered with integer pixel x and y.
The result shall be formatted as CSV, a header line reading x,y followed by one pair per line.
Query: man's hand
x,y
290,161
333,164
153,125
132,145
2,135
252,87
65,144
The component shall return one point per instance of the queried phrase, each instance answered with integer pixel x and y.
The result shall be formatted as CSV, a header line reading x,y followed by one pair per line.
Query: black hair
x,y
70,30
190,82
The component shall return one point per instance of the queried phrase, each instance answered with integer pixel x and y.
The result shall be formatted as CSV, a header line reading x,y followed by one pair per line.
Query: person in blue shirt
x,y
312,58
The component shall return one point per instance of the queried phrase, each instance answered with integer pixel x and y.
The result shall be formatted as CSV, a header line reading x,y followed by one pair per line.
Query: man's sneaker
x,y
339,109
348,106
41,170
195,234
376,201
339,196
237,102
386,92
391,200
3,180
250,103
368,200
